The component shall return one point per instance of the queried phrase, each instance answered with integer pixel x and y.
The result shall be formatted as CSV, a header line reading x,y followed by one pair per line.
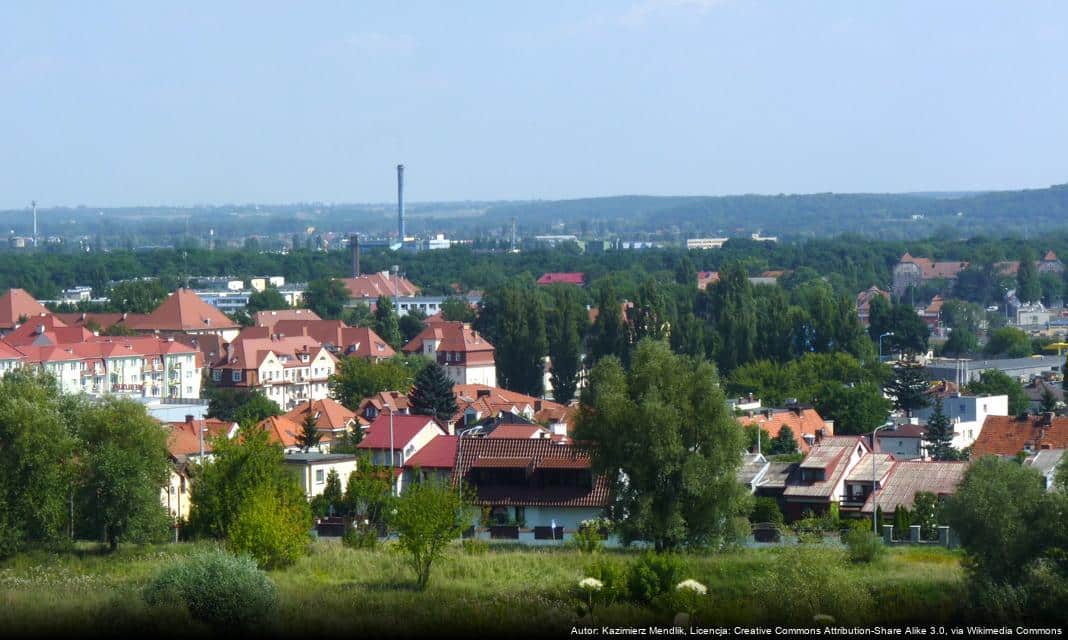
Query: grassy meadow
x,y
337,590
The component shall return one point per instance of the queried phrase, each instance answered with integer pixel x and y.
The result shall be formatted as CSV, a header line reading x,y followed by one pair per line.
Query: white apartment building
x,y
288,370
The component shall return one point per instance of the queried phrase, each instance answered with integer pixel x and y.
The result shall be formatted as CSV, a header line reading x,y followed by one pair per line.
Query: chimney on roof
x,y
819,435
482,393
189,418
1047,419
537,405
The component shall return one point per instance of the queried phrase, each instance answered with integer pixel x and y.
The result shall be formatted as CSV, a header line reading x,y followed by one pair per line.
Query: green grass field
x,y
336,590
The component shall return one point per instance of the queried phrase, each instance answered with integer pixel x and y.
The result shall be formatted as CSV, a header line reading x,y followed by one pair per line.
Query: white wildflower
x,y
591,584
692,585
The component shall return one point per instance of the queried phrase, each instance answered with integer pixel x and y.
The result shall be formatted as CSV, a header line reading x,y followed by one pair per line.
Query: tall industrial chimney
x,y
34,204
354,244
400,201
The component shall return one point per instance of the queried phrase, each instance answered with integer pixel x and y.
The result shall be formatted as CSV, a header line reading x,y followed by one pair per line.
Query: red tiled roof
x,y
1007,435
383,401
373,285
47,330
491,401
451,336
439,453
361,342
102,320
532,454
330,415
404,429
269,318
563,278
184,437
183,310
519,431
17,303
7,352
931,270
101,348
282,430
705,278
249,349
802,422
1050,256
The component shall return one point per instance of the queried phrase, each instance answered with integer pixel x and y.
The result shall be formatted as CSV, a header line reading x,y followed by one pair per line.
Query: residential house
x,y
967,413
533,482
1038,389
189,441
806,424
332,419
864,299
313,468
1009,435
1050,264
434,462
914,272
904,442
339,338
484,404
185,312
383,401
819,480
578,279
47,331
10,358
1046,461
392,440
932,315
466,355
368,288
706,278
905,478
285,432
16,306
288,370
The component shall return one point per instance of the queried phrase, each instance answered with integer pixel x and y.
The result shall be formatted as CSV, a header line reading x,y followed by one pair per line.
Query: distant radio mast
x,y
33,203
513,235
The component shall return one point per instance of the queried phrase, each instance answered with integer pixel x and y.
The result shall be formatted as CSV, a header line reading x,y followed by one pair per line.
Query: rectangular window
x,y
236,376
215,375
318,476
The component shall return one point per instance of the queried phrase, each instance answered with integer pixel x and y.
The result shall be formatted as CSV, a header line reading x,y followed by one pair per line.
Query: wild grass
x,y
339,590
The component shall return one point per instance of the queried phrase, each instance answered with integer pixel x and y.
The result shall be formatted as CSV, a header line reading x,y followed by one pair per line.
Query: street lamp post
x,y
392,456
874,446
881,336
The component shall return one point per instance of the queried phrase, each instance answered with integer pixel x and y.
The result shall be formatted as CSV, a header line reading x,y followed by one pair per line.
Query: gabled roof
x,y
439,453
384,401
282,430
519,431
489,402
1050,257
102,320
832,455
931,270
451,336
269,318
563,278
183,310
17,303
404,429
361,342
330,415
531,454
184,437
1009,435
370,287
249,350
801,420
104,348
909,477
47,330
863,470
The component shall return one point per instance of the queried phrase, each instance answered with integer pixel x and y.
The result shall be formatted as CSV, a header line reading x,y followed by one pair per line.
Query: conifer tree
x,y
939,436
309,434
909,387
432,394
386,324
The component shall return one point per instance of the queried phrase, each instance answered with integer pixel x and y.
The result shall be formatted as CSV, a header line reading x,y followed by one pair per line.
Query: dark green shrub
x,y
862,544
653,575
766,510
219,589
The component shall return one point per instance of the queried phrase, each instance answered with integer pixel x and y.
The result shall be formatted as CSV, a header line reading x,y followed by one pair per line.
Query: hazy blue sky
x,y
108,103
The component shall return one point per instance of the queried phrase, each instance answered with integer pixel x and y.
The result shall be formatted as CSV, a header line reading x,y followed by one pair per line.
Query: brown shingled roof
x,y
909,477
531,454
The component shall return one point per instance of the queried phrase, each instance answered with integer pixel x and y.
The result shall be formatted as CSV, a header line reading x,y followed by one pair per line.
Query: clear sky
x,y
142,103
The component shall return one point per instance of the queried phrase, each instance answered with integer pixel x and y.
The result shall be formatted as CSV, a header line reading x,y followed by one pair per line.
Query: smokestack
x,y
354,244
400,201
513,235
34,204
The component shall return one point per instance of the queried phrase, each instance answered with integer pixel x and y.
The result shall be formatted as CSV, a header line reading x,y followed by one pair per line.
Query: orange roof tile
x,y
269,318
373,285
330,415
802,422
183,310
439,453
15,304
1009,435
